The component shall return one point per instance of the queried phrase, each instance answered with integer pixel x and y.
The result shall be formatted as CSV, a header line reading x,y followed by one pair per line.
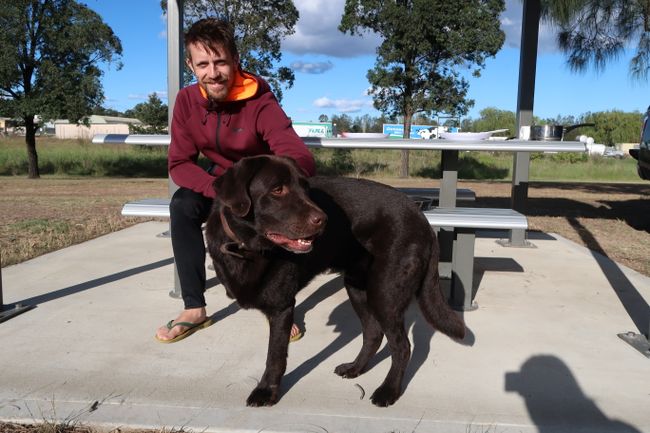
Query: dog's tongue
x,y
295,245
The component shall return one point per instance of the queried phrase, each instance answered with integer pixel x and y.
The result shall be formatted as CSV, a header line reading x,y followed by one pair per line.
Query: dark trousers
x,y
188,210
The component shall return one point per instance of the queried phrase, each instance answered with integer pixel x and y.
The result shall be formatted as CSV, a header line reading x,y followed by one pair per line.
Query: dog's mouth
x,y
300,245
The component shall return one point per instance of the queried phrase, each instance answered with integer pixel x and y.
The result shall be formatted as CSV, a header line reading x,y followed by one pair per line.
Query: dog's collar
x,y
237,246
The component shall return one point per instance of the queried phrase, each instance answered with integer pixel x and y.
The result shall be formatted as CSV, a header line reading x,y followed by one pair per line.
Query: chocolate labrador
x,y
272,230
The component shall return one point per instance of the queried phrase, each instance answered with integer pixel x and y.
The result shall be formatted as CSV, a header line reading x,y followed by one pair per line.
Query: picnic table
x,y
456,227
449,161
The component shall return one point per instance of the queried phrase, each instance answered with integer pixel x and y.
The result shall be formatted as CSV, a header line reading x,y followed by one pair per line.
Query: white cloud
x,y
317,32
312,67
511,25
162,94
342,105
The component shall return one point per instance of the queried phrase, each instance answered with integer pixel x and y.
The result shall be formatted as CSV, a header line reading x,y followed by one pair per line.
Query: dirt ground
x,y
46,214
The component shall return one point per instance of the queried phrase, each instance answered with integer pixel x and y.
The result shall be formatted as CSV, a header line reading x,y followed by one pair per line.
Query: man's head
x,y
212,56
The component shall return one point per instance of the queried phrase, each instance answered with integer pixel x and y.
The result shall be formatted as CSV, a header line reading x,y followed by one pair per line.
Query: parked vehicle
x,y
642,153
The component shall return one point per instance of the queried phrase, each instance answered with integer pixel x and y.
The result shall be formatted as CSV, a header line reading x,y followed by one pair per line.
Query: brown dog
x,y
272,230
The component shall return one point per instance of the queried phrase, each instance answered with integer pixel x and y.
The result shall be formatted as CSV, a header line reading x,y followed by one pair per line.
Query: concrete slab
x,y
543,354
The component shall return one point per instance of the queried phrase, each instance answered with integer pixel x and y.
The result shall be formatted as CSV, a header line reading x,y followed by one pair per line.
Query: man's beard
x,y
217,98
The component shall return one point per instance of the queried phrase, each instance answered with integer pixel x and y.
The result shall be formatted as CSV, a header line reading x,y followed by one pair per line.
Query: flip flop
x,y
296,337
191,329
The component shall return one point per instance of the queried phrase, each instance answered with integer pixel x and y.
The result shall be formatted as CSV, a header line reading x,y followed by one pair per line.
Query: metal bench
x,y
149,207
458,226
456,229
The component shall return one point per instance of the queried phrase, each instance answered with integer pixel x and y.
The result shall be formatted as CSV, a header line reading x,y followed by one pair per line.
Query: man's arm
x,y
183,154
282,139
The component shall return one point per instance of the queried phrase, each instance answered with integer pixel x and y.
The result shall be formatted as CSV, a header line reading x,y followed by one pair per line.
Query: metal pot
x,y
553,132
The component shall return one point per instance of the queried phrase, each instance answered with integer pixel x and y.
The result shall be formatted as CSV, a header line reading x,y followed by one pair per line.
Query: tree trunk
x,y
404,170
32,156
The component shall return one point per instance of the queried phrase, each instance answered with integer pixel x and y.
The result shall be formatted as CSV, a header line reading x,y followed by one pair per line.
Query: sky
x,y
330,67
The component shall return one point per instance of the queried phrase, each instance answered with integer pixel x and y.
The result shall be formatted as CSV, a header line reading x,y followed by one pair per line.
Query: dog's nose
x,y
317,219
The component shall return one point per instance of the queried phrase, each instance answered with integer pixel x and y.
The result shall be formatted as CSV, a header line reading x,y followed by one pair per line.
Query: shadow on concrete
x,y
77,288
555,401
635,305
634,212
346,323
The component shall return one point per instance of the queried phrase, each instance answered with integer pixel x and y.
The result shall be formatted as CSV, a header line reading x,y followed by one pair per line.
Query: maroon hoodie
x,y
250,122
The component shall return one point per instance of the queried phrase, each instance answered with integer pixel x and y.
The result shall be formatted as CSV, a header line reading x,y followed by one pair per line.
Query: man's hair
x,y
213,34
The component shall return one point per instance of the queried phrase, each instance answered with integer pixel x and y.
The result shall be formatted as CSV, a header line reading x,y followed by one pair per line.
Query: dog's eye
x,y
279,190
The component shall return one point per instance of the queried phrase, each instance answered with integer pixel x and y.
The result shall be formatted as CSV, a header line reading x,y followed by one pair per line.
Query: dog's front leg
x,y
267,392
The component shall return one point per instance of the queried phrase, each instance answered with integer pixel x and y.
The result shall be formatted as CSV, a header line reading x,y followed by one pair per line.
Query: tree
x,y
49,62
343,123
612,127
153,114
259,26
492,118
594,32
424,44
104,111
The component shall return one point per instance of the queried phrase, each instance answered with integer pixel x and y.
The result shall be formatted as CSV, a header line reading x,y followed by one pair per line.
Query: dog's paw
x,y
348,370
384,396
262,397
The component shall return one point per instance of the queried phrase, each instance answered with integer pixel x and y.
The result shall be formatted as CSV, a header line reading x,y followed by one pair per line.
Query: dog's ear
x,y
232,186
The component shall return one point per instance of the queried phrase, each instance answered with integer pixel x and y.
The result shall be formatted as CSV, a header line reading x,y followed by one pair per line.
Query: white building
x,y
97,125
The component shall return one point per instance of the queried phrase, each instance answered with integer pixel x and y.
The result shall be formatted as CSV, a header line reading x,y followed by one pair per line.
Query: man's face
x,y
214,70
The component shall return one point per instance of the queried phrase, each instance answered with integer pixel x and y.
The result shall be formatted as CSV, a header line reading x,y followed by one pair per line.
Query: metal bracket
x,y
510,244
7,312
638,341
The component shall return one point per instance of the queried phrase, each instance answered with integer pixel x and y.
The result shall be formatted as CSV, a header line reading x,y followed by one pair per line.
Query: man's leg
x,y
188,211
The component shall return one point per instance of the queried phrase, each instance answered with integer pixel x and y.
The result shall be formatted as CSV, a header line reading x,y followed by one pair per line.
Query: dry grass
x,y
51,213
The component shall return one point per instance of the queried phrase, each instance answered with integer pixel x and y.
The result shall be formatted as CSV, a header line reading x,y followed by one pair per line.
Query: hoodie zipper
x,y
217,143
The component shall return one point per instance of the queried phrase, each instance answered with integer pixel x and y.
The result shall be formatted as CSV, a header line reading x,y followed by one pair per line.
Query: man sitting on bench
x,y
227,115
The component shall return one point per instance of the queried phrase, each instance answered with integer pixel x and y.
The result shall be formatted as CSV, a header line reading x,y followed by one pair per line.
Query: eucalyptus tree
x,y
49,63
427,47
595,32
260,26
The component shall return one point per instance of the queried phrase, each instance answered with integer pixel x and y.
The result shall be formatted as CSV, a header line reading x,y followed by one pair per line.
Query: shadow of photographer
x,y
555,401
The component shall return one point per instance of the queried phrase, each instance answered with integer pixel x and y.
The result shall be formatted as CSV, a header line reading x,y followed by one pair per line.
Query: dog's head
x,y
272,195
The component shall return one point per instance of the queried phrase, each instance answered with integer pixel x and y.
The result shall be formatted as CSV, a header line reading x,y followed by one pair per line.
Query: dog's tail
x,y
433,304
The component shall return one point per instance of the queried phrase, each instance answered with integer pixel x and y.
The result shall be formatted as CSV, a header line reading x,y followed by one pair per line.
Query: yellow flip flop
x,y
296,337
191,329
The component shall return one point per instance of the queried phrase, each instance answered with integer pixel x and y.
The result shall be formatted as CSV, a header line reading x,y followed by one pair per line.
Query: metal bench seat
x,y
149,207
159,207
457,226
477,218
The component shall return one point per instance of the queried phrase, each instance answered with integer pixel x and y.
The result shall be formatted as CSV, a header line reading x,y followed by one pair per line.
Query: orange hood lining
x,y
244,87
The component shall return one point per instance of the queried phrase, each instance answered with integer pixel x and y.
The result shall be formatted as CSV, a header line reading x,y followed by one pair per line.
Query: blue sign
x,y
418,132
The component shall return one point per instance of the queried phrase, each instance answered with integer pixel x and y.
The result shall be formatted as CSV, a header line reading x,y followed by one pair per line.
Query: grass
x,y
477,165
82,158
44,215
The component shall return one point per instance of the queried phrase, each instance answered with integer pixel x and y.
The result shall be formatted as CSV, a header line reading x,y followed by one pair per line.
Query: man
x,y
227,115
